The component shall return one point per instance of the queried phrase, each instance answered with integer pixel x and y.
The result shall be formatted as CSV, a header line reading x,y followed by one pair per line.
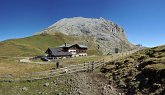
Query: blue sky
x,y
143,20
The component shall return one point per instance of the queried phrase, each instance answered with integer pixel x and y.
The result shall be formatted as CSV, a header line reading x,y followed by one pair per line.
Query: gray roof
x,y
69,45
59,52
82,46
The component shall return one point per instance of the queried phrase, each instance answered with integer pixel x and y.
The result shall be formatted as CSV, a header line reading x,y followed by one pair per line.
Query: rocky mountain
x,y
104,33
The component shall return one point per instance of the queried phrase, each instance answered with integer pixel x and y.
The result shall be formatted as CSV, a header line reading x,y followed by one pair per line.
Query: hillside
x,y
141,73
37,44
105,33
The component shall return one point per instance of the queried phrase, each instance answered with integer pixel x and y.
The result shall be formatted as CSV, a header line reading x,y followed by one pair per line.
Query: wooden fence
x,y
66,70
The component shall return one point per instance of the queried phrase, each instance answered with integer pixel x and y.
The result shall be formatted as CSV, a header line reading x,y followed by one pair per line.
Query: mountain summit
x,y
107,35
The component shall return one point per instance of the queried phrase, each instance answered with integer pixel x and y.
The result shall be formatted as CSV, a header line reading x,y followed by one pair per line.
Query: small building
x,y
67,50
53,53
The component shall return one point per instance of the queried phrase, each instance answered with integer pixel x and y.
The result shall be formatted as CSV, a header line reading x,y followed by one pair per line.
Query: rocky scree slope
x,y
104,33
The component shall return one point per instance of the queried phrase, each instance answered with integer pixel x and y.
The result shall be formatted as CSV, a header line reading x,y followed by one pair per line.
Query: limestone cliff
x,y
104,33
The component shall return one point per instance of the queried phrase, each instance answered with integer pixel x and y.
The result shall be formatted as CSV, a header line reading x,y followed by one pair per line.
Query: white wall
x,y
82,54
72,51
74,54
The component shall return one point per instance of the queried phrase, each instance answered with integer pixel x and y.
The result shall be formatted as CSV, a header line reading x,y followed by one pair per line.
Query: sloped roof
x,y
59,52
62,54
56,49
82,46
69,45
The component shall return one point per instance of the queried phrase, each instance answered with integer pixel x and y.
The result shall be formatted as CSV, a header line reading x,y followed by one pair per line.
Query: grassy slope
x,y
33,45
56,85
36,45
148,77
13,67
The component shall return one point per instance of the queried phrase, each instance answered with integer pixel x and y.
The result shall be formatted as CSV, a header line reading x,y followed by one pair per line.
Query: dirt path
x,y
91,84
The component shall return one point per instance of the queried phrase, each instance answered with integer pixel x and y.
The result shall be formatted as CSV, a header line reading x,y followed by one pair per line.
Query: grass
x,y
139,72
33,45
16,69
37,44
78,60
156,66
36,87
12,66
15,49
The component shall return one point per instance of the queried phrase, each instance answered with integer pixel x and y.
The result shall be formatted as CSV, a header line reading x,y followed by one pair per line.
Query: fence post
x,y
103,65
88,67
92,67
84,66
112,57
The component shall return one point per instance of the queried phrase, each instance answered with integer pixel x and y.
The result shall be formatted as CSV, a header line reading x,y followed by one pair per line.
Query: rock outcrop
x,y
106,34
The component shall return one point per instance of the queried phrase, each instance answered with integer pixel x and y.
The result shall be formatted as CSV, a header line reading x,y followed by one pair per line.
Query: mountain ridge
x,y
106,34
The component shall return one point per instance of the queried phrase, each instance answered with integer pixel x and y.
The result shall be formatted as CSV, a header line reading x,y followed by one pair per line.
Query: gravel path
x,y
91,84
